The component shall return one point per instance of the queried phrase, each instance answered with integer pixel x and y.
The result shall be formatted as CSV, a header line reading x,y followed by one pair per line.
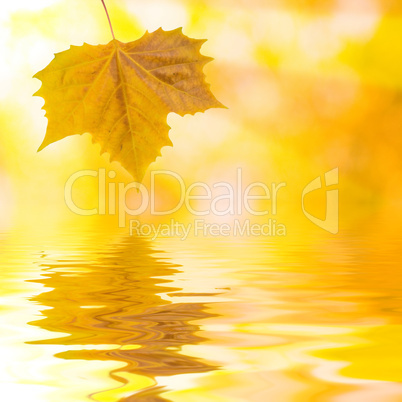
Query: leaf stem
x,y
108,18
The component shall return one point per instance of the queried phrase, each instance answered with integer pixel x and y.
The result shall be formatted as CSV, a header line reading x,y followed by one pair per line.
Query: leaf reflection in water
x,y
114,299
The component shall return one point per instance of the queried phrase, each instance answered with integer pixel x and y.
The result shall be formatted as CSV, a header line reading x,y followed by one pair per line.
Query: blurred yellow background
x,y
310,86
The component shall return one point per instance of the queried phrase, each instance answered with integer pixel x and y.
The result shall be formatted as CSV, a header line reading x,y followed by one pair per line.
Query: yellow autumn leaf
x,y
121,93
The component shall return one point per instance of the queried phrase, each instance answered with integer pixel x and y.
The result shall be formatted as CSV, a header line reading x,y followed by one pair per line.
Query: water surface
x,y
95,315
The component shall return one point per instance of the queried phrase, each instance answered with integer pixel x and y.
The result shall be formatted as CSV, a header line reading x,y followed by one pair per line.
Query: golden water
x,y
97,315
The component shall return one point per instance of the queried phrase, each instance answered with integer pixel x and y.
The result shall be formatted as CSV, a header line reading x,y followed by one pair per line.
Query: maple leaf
x,y
121,93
